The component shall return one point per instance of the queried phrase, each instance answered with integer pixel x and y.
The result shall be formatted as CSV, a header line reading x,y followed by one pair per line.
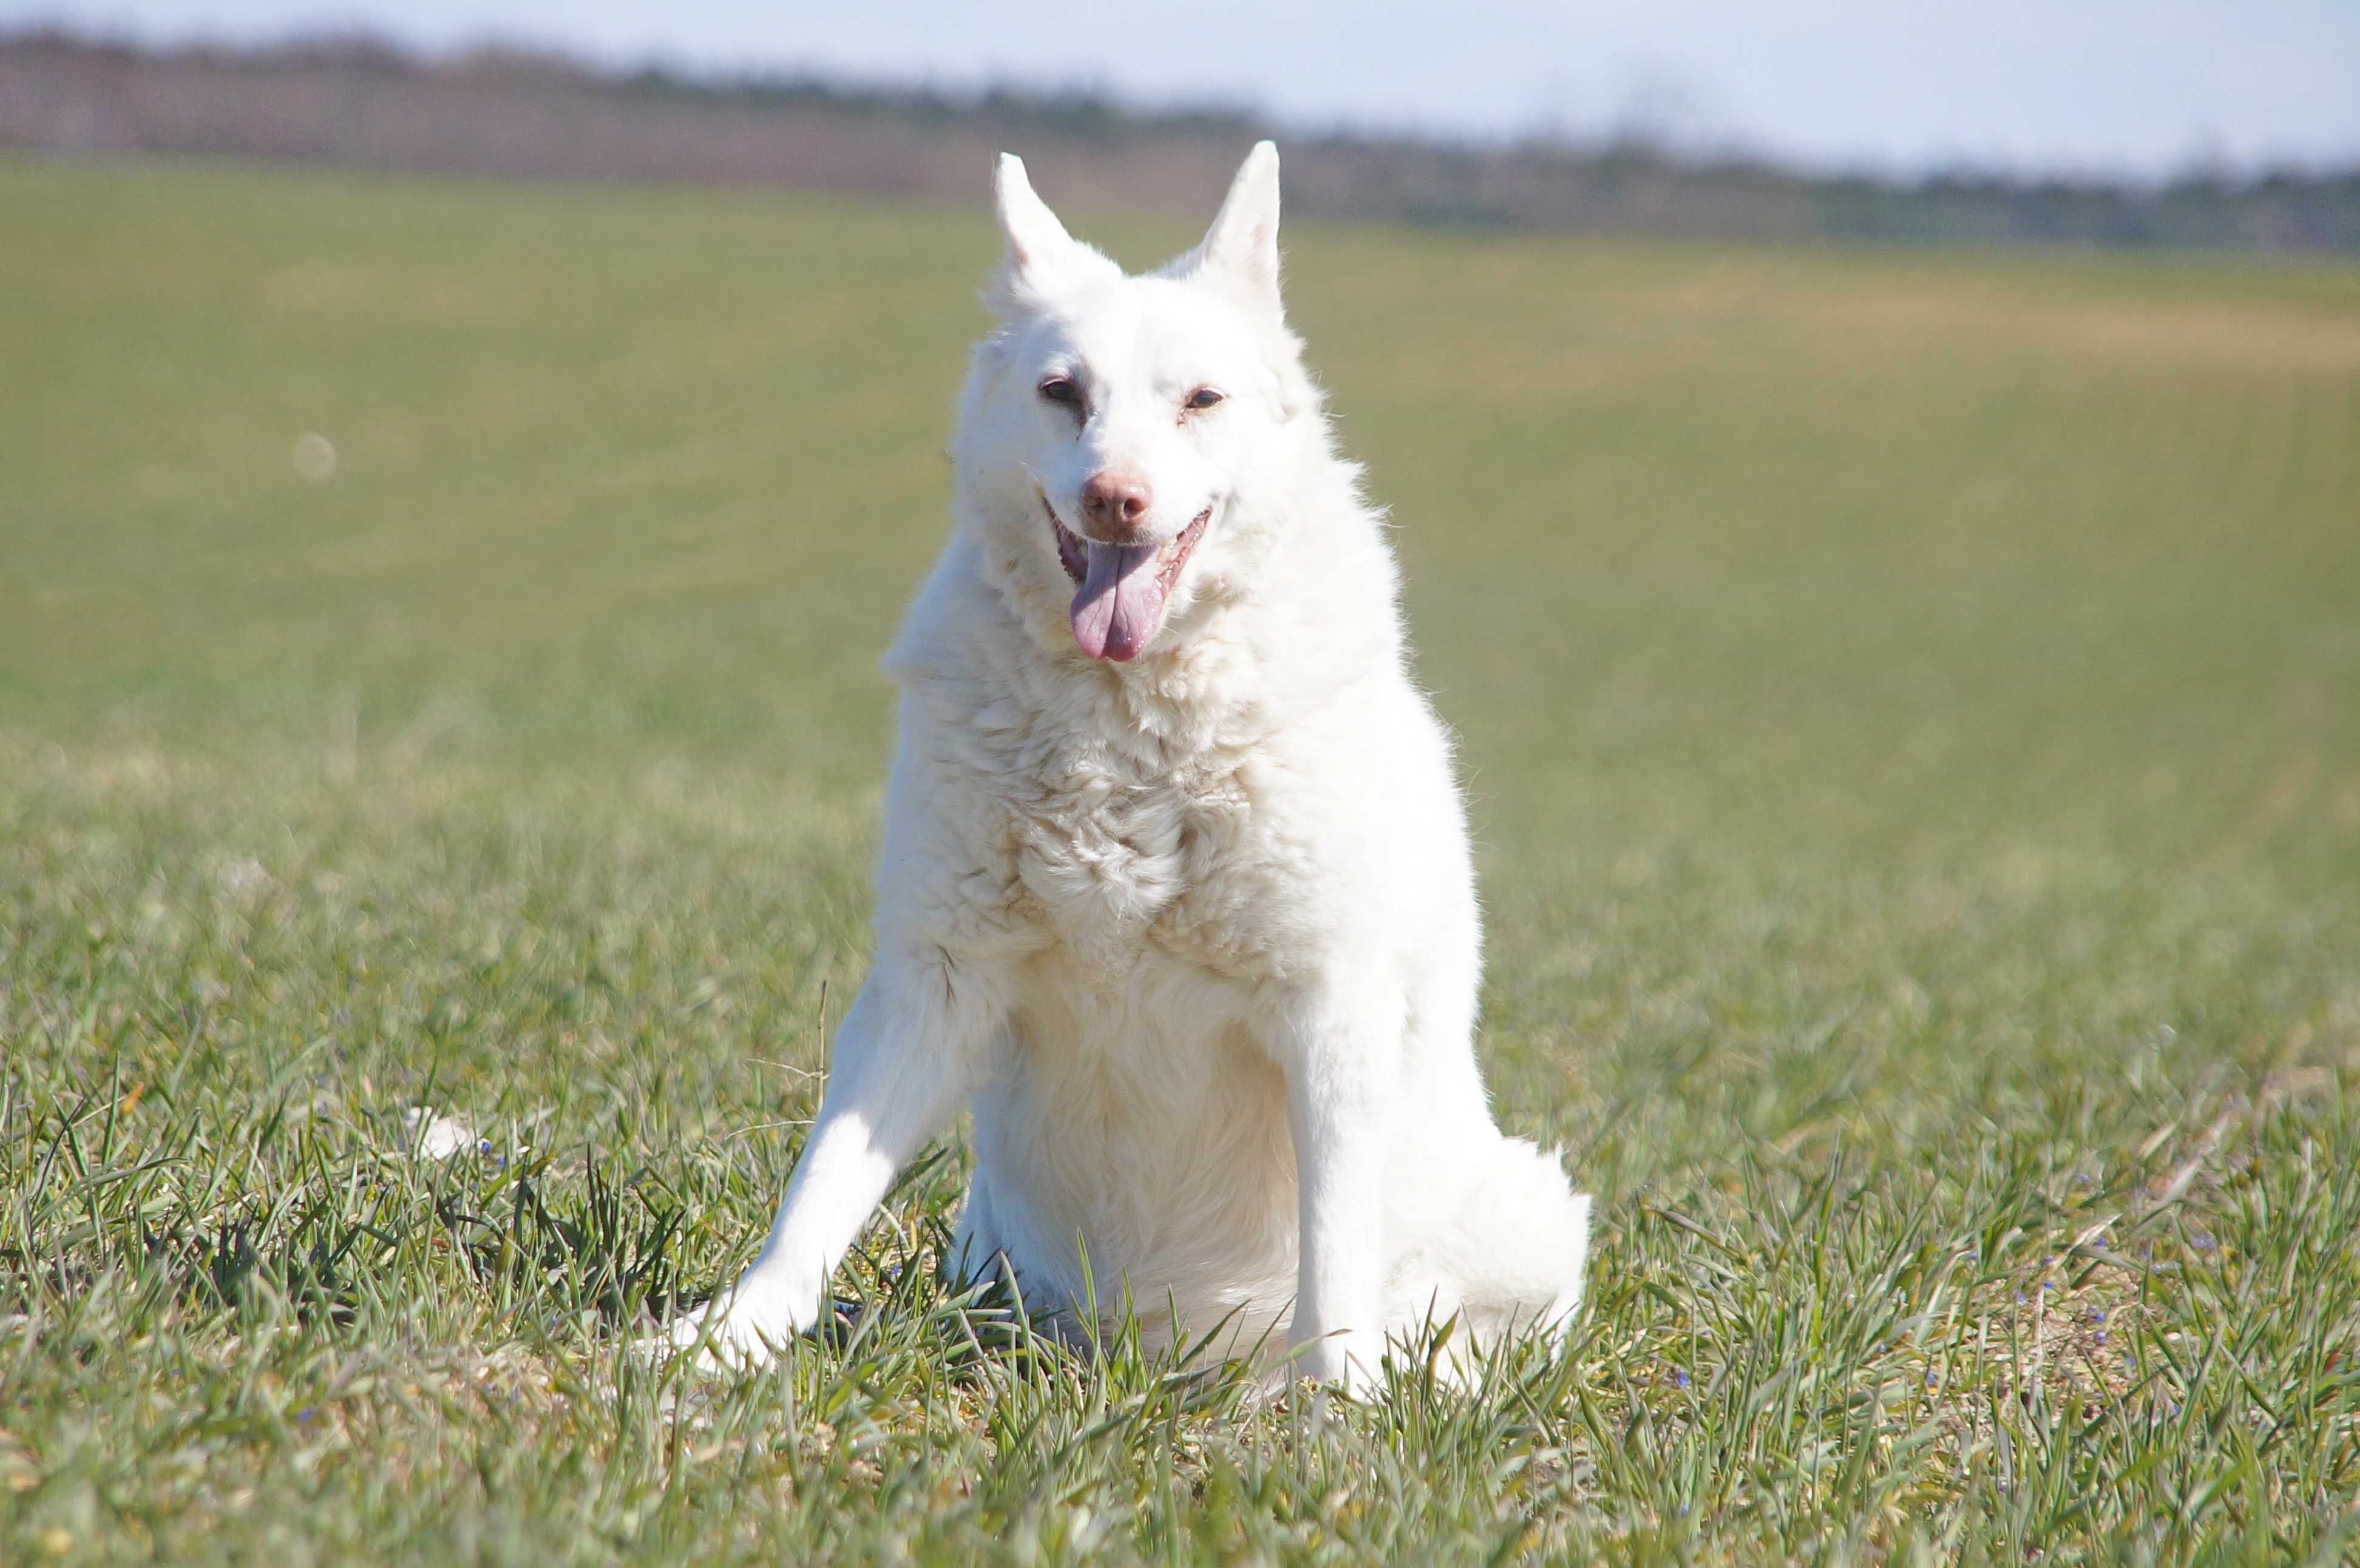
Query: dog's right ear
x,y
1241,247
1037,257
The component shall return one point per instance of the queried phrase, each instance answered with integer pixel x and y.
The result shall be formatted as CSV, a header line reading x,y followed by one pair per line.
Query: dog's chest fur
x,y
1128,836
1119,861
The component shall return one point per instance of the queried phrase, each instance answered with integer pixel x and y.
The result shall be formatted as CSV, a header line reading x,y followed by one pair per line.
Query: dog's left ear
x,y
1241,249
1037,257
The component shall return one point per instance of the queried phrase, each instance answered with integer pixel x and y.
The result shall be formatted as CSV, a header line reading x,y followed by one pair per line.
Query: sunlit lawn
x,y
1910,700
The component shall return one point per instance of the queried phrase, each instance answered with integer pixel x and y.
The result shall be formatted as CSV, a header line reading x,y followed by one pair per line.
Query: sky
x,y
2135,88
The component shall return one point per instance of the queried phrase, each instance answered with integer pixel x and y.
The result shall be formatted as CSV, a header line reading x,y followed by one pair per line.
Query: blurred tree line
x,y
359,101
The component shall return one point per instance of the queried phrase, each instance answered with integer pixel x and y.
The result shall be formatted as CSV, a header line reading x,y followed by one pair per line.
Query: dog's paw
x,y
721,1338
1343,1360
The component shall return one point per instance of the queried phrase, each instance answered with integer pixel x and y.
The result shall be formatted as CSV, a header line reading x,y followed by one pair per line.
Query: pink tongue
x,y
1120,602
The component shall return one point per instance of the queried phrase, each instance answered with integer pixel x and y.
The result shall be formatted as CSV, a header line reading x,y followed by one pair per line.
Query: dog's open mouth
x,y
1119,602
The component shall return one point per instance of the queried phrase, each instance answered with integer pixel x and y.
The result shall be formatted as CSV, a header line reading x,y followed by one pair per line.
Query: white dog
x,y
1175,888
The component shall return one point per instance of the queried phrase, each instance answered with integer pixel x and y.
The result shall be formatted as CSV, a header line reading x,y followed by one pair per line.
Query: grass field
x,y
1911,704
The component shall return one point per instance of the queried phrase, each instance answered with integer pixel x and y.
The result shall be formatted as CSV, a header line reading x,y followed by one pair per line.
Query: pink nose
x,y
1113,504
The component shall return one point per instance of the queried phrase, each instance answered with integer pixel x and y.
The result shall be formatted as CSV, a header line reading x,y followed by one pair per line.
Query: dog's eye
x,y
1061,390
1202,398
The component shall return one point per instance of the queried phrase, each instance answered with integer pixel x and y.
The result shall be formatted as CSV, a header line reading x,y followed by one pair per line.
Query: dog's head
x,y
1117,430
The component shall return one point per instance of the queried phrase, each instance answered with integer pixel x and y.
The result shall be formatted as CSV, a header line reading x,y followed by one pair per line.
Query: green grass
x,y
1911,703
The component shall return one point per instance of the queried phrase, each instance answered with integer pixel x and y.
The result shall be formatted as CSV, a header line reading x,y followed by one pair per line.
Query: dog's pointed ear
x,y
1031,237
1036,254
1241,247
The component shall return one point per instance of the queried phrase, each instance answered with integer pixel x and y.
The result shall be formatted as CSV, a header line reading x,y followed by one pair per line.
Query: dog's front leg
x,y
1342,1061
903,1058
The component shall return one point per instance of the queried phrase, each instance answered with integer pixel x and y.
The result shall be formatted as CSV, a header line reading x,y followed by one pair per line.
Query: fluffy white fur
x,y
1194,932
